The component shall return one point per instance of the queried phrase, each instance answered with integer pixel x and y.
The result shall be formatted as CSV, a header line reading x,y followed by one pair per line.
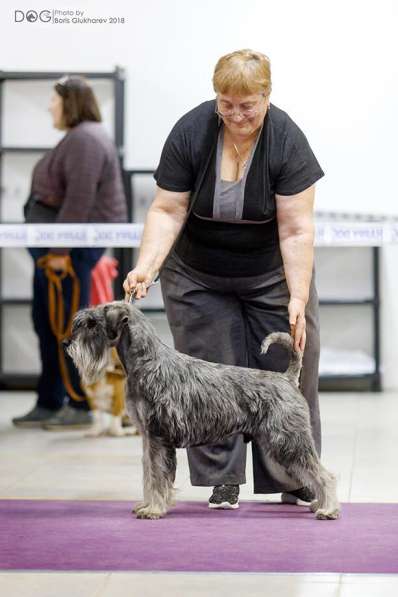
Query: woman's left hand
x,y
296,310
58,262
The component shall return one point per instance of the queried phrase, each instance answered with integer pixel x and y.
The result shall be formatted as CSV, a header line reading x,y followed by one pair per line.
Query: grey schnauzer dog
x,y
178,401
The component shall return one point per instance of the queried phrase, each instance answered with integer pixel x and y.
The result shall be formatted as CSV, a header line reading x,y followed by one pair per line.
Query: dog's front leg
x,y
171,464
99,425
146,475
156,462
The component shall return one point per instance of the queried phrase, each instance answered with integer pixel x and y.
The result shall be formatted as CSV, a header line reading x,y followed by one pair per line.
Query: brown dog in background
x,y
107,401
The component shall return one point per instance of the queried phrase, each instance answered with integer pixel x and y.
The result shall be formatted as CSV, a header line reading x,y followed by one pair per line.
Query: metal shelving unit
x,y
117,77
369,381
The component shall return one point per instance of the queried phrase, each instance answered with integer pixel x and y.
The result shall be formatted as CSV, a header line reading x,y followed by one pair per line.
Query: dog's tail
x,y
296,358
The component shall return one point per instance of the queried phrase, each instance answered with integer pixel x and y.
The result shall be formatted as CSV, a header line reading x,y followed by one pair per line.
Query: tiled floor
x,y
360,442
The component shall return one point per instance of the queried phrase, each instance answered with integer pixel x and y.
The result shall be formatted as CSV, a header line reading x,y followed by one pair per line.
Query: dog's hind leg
x,y
294,450
313,474
159,472
329,507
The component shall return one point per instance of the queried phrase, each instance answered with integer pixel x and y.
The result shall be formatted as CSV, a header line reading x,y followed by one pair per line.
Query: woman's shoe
x,y
34,418
299,497
69,418
225,497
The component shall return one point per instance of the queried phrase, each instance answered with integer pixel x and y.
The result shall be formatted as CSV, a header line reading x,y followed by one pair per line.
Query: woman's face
x,y
242,114
56,109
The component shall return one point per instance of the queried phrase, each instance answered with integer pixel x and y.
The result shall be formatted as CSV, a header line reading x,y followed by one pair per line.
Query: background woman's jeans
x,y
51,390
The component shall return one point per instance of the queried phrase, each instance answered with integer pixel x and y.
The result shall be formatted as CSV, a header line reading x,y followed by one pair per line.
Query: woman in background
x,y
77,181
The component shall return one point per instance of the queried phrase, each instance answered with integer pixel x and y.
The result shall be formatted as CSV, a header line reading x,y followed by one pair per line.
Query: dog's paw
x,y
97,432
314,506
130,431
149,513
138,506
115,432
323,514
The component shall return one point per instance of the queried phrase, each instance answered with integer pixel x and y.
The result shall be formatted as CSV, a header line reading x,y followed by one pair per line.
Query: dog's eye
x,y
91,323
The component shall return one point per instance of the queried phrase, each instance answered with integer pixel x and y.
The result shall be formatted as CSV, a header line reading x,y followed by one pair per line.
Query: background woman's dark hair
x,y
79,101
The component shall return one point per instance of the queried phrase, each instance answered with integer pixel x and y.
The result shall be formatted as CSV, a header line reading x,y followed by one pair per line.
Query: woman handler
x,y
235,189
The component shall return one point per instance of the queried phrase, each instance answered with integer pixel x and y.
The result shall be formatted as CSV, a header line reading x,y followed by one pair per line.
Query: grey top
x,y
81,177
229,195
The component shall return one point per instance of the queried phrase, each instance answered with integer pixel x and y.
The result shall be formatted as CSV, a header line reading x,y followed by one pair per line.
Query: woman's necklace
x,y
240,161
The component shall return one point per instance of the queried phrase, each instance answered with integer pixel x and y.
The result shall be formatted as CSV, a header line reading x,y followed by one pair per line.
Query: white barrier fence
x,y
355,234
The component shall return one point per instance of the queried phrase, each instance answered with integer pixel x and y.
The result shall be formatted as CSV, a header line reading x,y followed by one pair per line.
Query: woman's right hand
x,y
164,220
137,281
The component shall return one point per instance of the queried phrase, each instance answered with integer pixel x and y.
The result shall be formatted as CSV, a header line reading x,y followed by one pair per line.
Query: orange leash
x,y
56,313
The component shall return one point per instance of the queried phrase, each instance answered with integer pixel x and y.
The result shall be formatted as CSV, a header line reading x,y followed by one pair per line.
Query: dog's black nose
x,y
91,323
66,342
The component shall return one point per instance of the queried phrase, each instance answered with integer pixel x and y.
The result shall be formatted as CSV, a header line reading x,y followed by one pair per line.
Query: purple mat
x,y
103,535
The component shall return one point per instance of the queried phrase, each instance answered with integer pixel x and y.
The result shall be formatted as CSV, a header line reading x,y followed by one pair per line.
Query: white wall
x,y
334,71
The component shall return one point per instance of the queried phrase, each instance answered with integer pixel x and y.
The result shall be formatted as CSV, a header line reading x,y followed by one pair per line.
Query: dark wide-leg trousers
x,y
225,320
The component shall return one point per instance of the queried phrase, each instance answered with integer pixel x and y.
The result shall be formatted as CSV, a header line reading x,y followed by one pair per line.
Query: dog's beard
x,y
91,365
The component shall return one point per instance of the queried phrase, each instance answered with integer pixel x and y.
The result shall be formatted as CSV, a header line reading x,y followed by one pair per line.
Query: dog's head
x,y
94,332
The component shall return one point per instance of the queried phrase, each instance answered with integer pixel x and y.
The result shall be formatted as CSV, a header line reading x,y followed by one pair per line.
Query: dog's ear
x,y
116,318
